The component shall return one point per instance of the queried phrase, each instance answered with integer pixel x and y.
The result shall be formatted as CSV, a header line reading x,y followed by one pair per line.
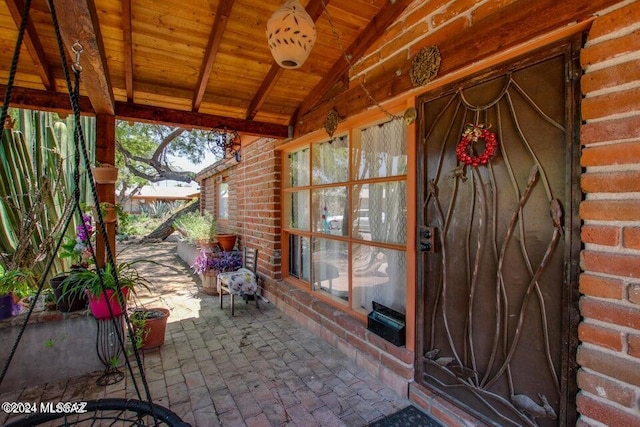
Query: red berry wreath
x,y
472,134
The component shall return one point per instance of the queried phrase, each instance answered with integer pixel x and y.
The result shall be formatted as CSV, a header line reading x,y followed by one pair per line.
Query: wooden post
x,y
105,153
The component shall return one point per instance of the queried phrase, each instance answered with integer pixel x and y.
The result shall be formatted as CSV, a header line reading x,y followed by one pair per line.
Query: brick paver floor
x,y
258,368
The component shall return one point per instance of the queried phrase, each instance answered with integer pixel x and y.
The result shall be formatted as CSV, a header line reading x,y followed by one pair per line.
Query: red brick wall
x,y
609,377
254,202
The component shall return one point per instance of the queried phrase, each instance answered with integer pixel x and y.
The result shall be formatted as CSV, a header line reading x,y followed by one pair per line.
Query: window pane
x,y
379,275
382,151
299,168
380,212
329,268
299,257
223,201
297,210
330,211
331,161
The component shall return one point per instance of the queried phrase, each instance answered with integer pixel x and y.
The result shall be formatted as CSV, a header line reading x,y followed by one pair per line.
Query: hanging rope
x,y
80,150
14,62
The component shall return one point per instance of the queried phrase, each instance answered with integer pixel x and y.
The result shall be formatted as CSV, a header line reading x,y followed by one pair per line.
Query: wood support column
x,y
106,154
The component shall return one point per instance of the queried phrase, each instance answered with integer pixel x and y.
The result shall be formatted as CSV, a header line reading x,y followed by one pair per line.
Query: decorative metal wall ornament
x,y
410,116
331,122
425,66
228,142
291,34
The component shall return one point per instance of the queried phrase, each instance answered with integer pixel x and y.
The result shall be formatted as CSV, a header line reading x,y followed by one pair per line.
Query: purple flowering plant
x,y
78,249
217,261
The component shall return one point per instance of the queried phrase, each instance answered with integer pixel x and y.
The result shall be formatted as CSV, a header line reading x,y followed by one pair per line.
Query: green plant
x,y
196,227
17,282
35,183
91,279
114,361
138,319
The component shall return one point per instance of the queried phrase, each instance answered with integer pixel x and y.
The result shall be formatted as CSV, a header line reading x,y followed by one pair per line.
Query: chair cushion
x,y
239,282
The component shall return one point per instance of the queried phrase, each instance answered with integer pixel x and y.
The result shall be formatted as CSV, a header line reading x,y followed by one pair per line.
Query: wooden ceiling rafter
x,y
215,38
375,29
78,23
314,9
127,30
32,42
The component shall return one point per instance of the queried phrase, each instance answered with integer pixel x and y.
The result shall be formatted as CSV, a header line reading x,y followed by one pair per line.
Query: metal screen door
x,y
497,292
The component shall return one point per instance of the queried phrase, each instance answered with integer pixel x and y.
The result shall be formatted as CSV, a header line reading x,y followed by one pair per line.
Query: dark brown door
x,y
497,310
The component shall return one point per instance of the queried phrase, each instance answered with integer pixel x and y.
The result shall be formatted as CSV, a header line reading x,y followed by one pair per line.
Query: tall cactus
x,y
36,186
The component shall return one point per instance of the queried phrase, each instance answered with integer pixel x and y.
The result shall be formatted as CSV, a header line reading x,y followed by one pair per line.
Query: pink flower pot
x,y
99,305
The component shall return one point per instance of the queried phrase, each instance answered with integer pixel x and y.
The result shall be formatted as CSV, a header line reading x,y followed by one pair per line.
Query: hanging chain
x,y
347,58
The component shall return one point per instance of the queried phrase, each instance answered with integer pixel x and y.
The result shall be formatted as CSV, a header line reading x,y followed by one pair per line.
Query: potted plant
x,y
226,241
208,264
90,281
105,173
78,251
110,211
149,326
14,285
197,229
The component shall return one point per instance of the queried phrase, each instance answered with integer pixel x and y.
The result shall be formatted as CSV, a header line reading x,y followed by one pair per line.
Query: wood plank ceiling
x,y
195,63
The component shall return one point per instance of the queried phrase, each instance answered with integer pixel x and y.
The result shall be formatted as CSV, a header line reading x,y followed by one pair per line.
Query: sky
x,y
182,163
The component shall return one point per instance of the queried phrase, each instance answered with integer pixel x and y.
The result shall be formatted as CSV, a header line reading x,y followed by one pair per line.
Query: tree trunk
x,y
165,229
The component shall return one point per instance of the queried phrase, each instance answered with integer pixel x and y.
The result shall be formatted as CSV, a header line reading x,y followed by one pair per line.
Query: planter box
x,y
49,350
187,252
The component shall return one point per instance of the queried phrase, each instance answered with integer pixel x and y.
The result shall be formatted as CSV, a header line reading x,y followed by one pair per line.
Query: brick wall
x,y
609,378
254,201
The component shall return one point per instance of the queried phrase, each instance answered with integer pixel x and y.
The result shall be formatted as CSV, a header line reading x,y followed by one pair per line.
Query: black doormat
x,y
407,417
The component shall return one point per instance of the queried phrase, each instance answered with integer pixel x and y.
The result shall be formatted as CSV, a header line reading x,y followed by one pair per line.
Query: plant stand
x,y
109,349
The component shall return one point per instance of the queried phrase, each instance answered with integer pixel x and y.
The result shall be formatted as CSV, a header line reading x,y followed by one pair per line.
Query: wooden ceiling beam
x,y
59,102
79,23
314,9
34,99
365,39
32,42
143,113
127,30
215,38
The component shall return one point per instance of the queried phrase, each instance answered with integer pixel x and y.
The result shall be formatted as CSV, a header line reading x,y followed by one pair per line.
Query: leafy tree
x,y
143,153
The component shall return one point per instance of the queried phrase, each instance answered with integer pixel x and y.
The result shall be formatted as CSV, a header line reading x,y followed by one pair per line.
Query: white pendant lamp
x,y
291,34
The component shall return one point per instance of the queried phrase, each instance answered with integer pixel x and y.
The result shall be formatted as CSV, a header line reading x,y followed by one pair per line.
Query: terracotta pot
x,y
226,241
99,305
109,213
154,329
105,174
70,302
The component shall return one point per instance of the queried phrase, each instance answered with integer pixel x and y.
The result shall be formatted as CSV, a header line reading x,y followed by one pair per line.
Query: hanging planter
x,y
109,212
105,174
